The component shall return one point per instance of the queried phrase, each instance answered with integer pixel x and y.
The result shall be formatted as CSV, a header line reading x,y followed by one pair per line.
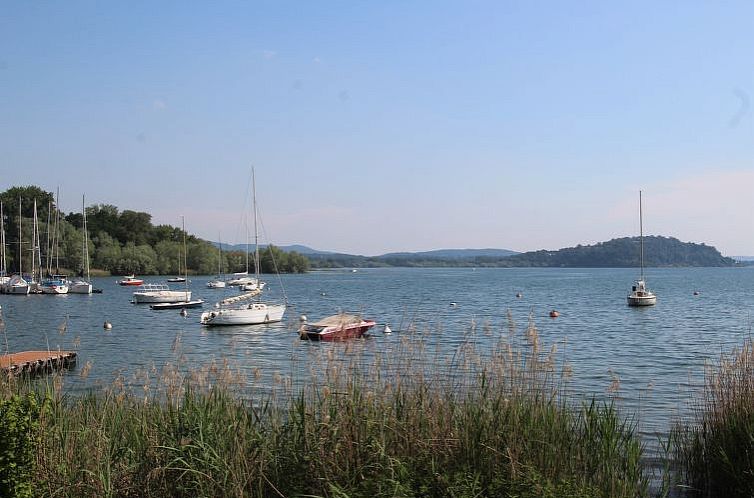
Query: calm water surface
x,y
657,353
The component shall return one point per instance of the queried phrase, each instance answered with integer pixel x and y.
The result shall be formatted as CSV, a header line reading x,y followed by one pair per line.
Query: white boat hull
x,y
80,288
167,296
216,284
649,300
253,314
54,289
18,286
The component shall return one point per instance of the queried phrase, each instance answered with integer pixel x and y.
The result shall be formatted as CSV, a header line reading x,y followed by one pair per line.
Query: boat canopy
x,y
338,320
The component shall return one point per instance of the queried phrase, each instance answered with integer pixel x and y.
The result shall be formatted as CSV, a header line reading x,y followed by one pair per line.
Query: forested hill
x,y
624,252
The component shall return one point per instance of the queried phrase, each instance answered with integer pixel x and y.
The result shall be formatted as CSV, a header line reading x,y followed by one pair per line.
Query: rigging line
x,y
244,218
272,256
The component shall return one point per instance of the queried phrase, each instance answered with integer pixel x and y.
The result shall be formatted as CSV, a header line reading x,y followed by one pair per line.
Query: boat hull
x,y
179,305
253,314
80,288
642,300
161,297
336,332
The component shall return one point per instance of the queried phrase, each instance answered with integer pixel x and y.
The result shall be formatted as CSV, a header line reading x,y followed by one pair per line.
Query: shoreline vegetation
x,y
410,421
126,242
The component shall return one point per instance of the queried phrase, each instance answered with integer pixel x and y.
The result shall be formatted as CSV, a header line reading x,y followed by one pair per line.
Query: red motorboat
x,y
130,280
336,328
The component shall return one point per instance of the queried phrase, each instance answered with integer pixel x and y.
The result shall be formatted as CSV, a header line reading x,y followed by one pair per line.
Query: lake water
x,y
657,353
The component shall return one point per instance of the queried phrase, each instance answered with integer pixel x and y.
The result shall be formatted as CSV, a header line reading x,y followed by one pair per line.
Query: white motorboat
x,y
640,295
159,293
216,284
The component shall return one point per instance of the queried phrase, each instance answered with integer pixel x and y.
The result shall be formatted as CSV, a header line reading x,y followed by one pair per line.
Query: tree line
x,y
119,242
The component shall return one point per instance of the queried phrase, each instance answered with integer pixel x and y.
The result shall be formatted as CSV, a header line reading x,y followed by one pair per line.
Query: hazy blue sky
x,y
384,126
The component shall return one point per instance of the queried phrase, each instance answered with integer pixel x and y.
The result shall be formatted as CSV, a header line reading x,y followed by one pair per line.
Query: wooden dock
x,y
36,362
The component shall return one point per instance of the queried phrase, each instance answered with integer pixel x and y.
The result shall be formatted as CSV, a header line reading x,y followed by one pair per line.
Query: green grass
x,y
715,452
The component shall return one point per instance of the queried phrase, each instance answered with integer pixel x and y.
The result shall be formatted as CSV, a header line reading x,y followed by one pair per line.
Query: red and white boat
x,y
336,328
130,280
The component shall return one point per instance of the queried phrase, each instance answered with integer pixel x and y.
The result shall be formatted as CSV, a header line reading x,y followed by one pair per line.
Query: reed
x,y
715,451
413,420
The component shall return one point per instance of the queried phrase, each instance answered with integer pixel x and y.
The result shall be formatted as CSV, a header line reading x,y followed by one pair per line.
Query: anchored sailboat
x,y
640,295
249,313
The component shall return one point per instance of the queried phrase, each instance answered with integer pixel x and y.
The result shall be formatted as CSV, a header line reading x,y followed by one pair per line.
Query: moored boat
x,y
130,280
159,293
640,295
55,284
336,328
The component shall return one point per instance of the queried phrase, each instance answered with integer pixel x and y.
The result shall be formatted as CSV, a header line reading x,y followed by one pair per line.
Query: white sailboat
x,y
54,283
238,310
218,282
83,285
640,295
17,284
4,278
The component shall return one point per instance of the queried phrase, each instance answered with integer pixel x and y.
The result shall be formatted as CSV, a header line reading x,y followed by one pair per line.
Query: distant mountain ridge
x,y
616,253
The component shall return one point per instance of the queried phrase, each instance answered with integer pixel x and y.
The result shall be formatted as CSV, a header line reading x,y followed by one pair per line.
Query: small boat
x,y
176,279
55,284
159,293
130,280
216,284
252,285
83,285
196,303
640,295
336,328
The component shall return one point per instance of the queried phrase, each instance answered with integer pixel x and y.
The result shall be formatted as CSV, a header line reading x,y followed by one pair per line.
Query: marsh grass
x,y
415,419
715,452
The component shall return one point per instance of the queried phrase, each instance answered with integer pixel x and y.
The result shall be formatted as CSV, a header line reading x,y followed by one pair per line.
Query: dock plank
x,y
36,361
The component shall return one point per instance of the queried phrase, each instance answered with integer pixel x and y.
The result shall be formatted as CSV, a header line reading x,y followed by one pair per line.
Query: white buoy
x,y
519,295
184,312
387,330
302,319
107,325
453,304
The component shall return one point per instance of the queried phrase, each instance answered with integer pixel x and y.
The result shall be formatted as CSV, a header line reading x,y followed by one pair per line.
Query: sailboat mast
x,y
185,258
20,257
641,238
36,249
85,252
256,232
3,268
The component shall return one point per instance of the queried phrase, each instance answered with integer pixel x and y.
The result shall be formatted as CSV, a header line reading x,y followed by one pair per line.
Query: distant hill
x,y
291,248
451,254
624,252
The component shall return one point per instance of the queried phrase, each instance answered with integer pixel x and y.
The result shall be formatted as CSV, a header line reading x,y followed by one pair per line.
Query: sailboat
x,y
4,278
17,284
640,295
218,282
55,283
186,302
242,309
83,285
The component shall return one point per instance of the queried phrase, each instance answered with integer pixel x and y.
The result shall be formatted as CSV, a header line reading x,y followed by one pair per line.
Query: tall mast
x,y
641,238
256,234
36,250
57,233
48,245
3,268
85,252
20,257
185,258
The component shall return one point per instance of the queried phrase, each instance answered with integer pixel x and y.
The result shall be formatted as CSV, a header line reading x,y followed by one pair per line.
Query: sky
x,y
390,126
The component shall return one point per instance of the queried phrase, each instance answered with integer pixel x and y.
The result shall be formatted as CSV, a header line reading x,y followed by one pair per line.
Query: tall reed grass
x,y
715,451
408,422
